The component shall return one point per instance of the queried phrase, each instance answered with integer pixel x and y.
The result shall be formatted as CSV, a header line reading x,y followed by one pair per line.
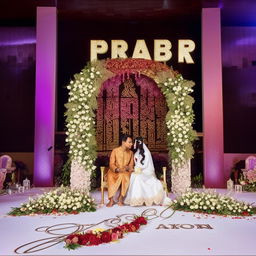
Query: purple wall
x,y
17,83
212,98
45,96
239,90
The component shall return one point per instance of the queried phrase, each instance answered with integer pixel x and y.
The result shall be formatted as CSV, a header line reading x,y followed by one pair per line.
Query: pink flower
x,y
68,241
75,240
114,236
251,176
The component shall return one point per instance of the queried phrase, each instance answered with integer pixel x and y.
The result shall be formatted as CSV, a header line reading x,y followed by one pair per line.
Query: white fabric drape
x,y
144,187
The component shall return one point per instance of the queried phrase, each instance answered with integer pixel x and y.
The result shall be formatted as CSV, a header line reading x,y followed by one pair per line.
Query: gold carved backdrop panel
x,y
129,108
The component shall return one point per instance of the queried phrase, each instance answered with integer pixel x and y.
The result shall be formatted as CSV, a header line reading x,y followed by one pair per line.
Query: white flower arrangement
x,y
80,116
249,181
212,203
80,126
180,133
179,119
58,201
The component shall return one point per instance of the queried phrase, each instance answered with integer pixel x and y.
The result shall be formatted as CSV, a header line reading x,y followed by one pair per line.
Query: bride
x,y
144,187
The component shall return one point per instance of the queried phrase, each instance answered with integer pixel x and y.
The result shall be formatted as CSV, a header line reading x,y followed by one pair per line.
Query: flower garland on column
x,y
181,135
80,123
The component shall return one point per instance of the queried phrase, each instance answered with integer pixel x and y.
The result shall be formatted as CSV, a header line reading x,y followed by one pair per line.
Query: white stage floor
x,y
228,236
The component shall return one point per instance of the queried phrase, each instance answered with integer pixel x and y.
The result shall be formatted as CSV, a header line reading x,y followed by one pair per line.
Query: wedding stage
x,y
182,233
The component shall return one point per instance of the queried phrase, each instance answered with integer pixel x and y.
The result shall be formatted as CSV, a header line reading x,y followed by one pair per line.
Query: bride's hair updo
x,y
139,146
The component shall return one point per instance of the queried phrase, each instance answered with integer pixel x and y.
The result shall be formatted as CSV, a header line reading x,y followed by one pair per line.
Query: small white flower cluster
x,y
211,202
80,117
181,178
179,118
59,200
79,178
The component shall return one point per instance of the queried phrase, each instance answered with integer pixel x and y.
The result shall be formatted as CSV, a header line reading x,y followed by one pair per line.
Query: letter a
x,y
162,226
141,50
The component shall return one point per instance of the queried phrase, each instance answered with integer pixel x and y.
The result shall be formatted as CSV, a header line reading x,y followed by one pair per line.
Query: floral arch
x,y
82,103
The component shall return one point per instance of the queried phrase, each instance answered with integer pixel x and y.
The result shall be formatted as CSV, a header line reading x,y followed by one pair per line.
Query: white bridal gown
x,y
144,187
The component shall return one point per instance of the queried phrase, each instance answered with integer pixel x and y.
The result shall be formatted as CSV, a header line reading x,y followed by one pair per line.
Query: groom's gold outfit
x,y
117,176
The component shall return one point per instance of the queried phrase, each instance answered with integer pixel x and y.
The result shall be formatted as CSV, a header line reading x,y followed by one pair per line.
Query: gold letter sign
x,y
162,50
98,47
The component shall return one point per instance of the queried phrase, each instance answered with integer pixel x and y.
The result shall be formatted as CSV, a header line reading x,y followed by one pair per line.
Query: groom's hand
x,y
122,169
128,169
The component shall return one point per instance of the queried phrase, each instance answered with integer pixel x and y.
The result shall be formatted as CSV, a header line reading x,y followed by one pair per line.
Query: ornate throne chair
x,y
103,181
5,167
250,163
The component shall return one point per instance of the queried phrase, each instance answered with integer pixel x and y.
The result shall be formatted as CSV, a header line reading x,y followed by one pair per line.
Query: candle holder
x,y
230,184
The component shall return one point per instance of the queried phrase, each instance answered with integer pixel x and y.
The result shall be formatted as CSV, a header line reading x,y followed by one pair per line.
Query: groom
x,y
121,165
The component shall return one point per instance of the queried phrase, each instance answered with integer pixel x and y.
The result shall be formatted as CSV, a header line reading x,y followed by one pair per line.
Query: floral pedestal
x,y
181,178
79,178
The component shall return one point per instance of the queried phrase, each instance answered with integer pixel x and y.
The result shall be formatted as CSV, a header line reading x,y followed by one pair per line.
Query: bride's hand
x,y
127,168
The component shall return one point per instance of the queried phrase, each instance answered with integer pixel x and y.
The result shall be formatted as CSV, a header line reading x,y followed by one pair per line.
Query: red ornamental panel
x,y
134,106
129,108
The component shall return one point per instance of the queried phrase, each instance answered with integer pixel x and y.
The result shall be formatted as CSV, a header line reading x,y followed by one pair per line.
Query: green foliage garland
x,y
179,119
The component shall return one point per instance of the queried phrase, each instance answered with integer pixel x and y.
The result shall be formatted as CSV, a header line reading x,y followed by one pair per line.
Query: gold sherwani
x,y
119,158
